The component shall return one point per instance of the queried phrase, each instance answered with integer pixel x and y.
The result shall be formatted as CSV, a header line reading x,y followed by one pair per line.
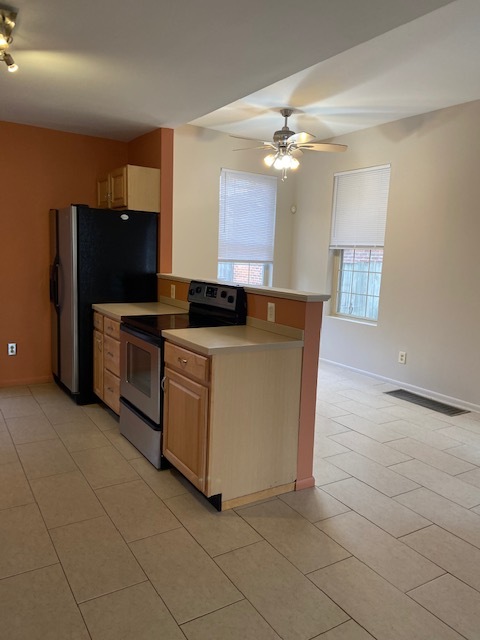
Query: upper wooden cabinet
x,y
130,187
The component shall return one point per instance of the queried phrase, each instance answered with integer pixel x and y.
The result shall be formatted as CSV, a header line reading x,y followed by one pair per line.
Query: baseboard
x,y
25,382
428,393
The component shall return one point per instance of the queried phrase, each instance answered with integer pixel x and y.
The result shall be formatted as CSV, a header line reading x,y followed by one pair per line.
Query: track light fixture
x,y
7,24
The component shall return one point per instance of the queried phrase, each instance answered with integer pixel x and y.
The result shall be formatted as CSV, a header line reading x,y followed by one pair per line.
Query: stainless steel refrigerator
x,y
96,255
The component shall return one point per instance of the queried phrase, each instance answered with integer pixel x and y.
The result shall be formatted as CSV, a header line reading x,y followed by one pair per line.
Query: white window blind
x,y
360,207
247,216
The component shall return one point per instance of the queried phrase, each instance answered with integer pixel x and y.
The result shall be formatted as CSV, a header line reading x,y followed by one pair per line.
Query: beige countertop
x,y
116,310
273,292
215,340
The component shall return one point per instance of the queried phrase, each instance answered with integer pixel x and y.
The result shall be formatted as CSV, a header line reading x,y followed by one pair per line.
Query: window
x,y
358,233
246,227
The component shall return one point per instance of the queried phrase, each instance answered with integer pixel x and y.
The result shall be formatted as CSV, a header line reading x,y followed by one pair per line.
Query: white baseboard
x,y
428,393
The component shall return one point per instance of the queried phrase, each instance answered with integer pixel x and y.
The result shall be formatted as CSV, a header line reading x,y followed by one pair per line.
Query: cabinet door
x,y
98,363
118,188
111,391
103,192
185,426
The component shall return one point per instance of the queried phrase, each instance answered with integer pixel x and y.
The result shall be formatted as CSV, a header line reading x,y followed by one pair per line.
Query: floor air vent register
x,y
428,403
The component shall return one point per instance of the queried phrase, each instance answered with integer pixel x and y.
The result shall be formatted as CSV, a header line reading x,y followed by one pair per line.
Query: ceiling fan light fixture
x,y
270,159
10,62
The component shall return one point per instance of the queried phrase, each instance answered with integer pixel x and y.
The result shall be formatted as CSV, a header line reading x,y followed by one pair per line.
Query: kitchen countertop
x,y
116,310
215,340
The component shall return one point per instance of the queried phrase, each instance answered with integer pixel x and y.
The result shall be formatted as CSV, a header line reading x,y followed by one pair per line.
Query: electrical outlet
x,y
402,357
271,311
12,349
172,291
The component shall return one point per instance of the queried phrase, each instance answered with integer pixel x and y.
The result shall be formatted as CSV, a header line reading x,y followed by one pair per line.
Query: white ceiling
x,y
108,69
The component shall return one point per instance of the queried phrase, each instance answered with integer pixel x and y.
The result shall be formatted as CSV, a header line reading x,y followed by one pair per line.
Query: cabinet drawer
x,y
111,391
189,363
111,355
111,328
98,321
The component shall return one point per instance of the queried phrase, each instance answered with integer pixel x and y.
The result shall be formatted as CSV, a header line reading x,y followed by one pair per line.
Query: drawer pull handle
x,y
110,389
183,361
109,353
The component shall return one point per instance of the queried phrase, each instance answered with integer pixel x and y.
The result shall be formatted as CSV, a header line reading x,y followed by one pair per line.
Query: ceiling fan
x,y
288,145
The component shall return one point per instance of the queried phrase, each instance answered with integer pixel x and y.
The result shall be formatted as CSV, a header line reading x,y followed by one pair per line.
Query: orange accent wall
x,y
155,149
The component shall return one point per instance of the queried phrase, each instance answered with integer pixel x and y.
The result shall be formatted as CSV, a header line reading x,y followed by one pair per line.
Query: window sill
x,y
370,323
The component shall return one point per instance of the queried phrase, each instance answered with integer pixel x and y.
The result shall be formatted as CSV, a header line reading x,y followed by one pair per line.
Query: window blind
x,y
247,216
360,207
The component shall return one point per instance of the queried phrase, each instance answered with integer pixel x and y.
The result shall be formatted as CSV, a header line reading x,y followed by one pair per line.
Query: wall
x,y
46,169
430,301
198,157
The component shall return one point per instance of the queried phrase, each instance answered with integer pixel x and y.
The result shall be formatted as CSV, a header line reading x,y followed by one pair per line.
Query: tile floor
x,y
97,544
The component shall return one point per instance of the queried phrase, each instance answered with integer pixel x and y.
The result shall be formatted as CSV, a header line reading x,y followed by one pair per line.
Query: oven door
x,y
140,369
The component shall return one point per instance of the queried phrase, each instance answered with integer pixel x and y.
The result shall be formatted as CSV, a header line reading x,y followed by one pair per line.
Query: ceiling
x,y
115,70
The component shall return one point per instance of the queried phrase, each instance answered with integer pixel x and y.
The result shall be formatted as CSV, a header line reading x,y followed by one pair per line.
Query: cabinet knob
x,y
183,361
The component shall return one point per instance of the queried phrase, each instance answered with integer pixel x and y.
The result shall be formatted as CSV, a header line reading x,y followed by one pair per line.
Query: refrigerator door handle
x,y
54,283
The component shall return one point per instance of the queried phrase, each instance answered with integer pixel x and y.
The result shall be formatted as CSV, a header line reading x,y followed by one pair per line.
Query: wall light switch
x,y
271,311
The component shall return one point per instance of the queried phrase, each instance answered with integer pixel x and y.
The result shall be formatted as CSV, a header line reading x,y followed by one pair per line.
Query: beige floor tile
x,y
314,504
95,558
376,507
349,630
65,498
453,602
30,429
375,401
166,483
136,511
328,427
287,600
216,532
14,489
187,579
376,605
390,558
16,407
441,460
369,448
63,410
446,485
38,605
45,458
453,554
378,432
100,416
327,447
472,477
290,534
14,392
135,613
437,439
122,445
447,514
78,436
460,435
466,452
373,474
238,621
25,544
377,416
47,393
104,466
8,452
329,410
325,473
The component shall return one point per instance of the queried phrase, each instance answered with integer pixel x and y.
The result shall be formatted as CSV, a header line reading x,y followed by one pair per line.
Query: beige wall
x,y
199,154
430,297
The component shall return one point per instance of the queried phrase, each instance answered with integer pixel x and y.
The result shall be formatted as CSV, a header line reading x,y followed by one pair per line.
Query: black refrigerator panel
x,y
104,256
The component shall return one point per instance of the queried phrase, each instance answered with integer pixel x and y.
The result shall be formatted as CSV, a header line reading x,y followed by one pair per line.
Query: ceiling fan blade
x,y
323,146
296,153
252,139
301,137
263,147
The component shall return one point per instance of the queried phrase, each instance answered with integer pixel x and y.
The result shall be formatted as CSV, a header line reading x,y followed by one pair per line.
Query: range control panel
x,y
221,296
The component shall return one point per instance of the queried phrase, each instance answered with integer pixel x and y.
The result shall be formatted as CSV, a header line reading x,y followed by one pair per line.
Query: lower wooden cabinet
x,y
231,420
185,431
106,360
